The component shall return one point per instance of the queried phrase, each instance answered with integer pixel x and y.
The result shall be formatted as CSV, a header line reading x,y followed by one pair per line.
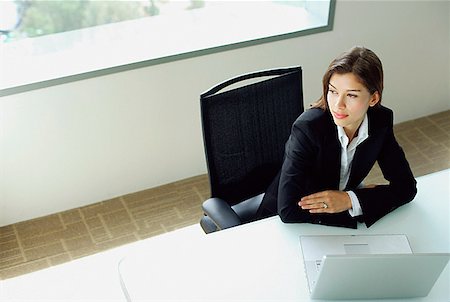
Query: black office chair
x,y
244,133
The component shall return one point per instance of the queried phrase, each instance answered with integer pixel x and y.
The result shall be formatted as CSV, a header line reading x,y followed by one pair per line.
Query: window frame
x,y
170,58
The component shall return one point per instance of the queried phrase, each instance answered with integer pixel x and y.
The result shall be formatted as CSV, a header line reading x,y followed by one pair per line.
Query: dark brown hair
x,y
360,61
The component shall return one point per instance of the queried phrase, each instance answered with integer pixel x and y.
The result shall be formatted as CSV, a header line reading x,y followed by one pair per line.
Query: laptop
x,y
368,267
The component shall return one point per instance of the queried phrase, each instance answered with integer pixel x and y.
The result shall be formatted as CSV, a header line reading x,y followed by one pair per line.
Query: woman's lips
x,y
339,116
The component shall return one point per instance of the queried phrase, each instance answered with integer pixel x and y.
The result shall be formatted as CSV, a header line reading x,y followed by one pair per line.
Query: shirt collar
x,y
363,132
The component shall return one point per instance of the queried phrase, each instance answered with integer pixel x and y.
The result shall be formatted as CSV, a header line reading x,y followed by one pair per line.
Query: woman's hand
x,y
326,202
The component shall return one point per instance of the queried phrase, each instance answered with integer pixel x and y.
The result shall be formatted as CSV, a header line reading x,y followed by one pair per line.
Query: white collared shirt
x,y
347,154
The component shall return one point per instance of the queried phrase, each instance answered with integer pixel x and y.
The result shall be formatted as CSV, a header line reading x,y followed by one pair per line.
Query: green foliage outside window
x,y
43,17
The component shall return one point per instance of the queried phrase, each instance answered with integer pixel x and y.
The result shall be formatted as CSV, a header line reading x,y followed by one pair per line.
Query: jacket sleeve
x,y
401,188
299,177
294,175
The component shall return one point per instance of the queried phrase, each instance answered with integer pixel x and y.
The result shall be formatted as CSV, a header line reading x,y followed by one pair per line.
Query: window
x,y
43,43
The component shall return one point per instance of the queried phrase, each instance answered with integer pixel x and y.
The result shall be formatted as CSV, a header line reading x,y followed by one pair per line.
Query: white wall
x,y
74,144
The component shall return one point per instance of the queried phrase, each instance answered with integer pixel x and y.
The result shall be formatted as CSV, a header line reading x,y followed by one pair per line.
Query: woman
x,y
334,145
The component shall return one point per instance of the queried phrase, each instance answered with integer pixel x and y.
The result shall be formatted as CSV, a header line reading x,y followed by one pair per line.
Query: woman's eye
x,y
332,91
352,96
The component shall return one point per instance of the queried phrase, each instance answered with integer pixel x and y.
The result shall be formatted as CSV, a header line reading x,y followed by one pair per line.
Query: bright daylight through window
x,y
42,41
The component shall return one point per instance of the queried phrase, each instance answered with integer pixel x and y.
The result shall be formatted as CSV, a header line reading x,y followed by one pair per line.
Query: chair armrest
x,y
208,225
247,209
221,213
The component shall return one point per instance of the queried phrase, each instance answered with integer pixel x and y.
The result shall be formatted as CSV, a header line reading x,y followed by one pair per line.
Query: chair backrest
x,y
245,130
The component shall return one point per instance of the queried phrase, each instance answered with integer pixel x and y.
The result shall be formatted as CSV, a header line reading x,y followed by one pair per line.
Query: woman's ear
x,y
375,99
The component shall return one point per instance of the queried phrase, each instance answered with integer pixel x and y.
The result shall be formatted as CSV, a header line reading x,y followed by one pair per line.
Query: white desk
x,y
262,261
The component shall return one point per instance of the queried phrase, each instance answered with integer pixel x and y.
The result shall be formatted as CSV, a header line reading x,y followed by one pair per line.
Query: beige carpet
x,y
43,242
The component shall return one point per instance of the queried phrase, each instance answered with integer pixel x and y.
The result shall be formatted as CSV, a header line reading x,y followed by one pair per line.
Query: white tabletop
x,y
262,261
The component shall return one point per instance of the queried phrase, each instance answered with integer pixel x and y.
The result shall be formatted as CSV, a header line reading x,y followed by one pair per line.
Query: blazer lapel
x,y
332,158
366,153
363,161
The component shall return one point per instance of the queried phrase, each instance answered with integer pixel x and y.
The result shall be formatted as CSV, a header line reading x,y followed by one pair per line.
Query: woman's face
x,y
348,101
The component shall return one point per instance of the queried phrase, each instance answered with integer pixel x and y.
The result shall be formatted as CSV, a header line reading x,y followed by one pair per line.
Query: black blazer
x,y
312,164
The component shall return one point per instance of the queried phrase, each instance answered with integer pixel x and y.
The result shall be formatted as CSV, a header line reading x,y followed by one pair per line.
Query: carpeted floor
x,y
43,242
